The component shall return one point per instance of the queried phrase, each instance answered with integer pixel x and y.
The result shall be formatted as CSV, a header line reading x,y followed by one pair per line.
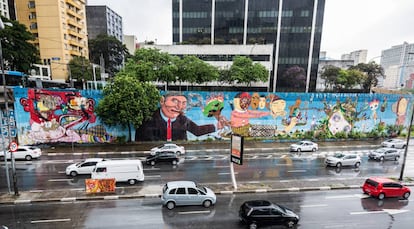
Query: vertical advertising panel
x,y
236,152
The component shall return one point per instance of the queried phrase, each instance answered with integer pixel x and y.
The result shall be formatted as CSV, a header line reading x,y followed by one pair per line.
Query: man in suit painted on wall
x,y
169,123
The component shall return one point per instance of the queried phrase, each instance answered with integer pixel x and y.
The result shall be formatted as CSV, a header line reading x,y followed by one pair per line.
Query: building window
x,y
33,25
31,4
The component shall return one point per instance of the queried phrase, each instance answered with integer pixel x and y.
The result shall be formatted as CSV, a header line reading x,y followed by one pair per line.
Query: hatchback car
x,y
304,146
168,147
262,212
24,152
164,157
384,154
180,193
394,143
83,167
384,187
340,159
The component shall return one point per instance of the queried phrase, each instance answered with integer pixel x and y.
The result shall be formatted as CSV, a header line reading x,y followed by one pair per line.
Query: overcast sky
x,y
348,25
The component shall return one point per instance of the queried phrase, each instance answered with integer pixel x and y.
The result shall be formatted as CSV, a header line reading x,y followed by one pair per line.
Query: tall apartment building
x,y
60,31
293,26
398,64
103,20
358,56
4,8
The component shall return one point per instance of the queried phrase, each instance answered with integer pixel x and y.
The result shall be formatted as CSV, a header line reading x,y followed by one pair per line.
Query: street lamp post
x,y
6,103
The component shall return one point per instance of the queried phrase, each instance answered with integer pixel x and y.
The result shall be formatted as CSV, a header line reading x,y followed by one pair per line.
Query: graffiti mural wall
x,y
44,116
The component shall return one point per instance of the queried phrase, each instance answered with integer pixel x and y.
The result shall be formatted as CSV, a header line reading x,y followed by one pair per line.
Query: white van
x,y
129,171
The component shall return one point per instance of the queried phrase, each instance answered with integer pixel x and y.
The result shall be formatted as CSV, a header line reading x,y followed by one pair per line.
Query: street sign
x,y
236,151
13,146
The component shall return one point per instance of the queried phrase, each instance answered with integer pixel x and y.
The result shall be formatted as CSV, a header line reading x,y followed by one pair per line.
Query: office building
x,y
103,20
130,42
398,64
326,61
358,56
4,8
294,27
60,31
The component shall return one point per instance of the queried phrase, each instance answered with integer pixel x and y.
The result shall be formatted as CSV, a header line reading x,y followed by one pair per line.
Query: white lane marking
x,y
296,171
34,191
58,180
313,205
68,199
77,189
395,211
61,172
111,197
345,196
152,176
22,201
152,168
363,213
50,220
221,166
193,212
226,173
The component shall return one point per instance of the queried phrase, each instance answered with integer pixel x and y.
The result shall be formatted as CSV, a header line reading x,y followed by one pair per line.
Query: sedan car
x,y
262,212
304,146
180,193
340,159
382,154
164,157
394,143
24,152
168,147
83,167
382,187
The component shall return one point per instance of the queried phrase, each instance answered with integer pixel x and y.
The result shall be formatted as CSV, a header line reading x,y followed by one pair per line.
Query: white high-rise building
x,y
358,56
4,9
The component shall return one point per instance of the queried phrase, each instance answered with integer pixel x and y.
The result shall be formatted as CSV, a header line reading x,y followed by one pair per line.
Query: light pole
x,y
6,103
408,138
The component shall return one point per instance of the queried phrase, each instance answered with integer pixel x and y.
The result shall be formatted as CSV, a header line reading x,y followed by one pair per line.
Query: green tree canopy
x,y
372,71
18,53
194,70
330,74
112,50
243,70
127,101
80,68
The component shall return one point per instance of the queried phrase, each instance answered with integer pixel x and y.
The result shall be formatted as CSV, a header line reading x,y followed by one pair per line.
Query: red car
x,y
383,187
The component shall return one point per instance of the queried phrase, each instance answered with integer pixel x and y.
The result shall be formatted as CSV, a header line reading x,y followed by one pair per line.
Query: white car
x,y
394,143
339,159
24,152
84,167
304,146
170,147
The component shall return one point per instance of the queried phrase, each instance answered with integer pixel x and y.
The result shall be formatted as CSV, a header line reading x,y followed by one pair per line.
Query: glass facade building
x,y
288,24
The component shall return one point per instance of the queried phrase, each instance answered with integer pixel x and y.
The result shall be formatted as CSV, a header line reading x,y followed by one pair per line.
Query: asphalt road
x,y
317,209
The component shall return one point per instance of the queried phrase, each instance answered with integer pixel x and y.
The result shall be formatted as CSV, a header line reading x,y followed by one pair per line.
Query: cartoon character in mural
x,y
240,116
169,122
374,104
213,108
295,117
400,109
255,101
54,114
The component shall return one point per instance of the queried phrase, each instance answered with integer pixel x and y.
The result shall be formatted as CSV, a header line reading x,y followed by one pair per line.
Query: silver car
x,y
340,159
385,154
304,146
180,193
394,143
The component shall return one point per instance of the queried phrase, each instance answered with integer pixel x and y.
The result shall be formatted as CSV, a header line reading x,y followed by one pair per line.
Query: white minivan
x,y
129,171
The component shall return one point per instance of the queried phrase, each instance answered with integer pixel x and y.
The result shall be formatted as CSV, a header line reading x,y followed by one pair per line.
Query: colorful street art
x,y
44,116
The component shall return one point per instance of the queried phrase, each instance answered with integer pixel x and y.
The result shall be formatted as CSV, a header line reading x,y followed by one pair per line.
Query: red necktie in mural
x,y
169,132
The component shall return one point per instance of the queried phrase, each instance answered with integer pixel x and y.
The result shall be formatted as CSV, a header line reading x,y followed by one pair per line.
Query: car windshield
x,y
203,189
380,150
280,208
339,155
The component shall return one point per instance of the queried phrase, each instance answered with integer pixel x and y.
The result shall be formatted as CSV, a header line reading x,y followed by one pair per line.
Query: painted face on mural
x,y
255,100
262,102
173,105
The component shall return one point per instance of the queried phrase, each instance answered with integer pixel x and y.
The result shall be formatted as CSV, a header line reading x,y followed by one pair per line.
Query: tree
x,y
126,102
194,70
296,76
80,68
372,71
113,51
243,70
330,74
348,79
18,53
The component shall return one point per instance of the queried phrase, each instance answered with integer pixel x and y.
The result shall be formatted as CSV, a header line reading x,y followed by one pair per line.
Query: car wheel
x,y
381,196
178,152
357,164
152,163
253,226
299,150
170,205
132,181
290,223
73,174
393,146
338,165
406,195
174,162
314,149
207,203
28,158
381,158
396,158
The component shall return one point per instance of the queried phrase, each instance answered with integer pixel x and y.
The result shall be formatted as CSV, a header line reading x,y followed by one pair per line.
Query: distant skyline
x,y
348,25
